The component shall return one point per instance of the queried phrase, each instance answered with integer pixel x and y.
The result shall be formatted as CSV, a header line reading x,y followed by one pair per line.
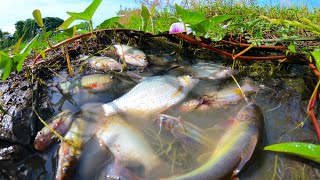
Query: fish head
x,y
59,123
166,121
42,140
187,81
251,113
190,105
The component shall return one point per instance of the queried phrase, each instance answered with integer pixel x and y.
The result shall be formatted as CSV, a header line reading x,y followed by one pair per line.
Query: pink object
x,y
179,28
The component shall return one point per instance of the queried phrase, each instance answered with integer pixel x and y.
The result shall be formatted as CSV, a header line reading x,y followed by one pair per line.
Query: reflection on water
x,y
281,110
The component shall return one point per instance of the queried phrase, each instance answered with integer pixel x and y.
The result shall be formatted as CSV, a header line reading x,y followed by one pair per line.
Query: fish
x,y
70,151
152,95
93,83
209,71
126,143
222,98
190,136
60,123
131,55
233,150
104,63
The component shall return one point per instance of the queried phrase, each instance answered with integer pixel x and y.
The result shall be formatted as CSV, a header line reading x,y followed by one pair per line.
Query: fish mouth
x,y
188,80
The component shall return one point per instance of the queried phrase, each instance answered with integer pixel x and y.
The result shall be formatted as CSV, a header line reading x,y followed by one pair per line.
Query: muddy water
x,y
282,107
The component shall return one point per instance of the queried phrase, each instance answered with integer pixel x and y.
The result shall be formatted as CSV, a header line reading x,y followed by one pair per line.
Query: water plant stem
x,y
312,101
248,58
284,40
242,52
247,45
66,52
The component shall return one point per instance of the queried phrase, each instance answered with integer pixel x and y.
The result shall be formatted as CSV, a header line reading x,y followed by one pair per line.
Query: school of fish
x,y
150,98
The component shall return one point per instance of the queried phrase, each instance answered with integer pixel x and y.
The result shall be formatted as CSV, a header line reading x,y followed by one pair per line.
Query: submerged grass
x,y
169,149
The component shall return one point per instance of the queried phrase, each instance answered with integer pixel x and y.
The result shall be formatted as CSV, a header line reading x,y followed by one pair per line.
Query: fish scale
x,y
152,95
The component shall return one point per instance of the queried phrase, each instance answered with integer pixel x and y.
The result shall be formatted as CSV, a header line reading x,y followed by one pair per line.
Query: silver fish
x,y
126,143
219,99
152,95
104,63
209,71
131,55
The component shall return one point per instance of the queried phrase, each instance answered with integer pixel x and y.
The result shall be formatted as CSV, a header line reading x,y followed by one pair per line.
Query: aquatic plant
x,y
38,18
86,15
305,150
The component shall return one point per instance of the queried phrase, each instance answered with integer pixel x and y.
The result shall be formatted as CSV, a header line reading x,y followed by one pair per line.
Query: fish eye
x,y
163,118
190,75
185,103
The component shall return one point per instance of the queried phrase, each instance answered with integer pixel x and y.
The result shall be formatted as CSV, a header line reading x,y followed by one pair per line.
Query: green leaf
x,y
30,45
292,48
88,12
37,17
67,23
215,20
316,56
305,150
311,27
18,60
145,16
153,9
109,23
211,24
189,16
201,27
17,46
6,65
43,54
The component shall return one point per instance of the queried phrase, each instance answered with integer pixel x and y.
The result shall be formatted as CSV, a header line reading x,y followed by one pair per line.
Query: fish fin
x,y
245,157
178,92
